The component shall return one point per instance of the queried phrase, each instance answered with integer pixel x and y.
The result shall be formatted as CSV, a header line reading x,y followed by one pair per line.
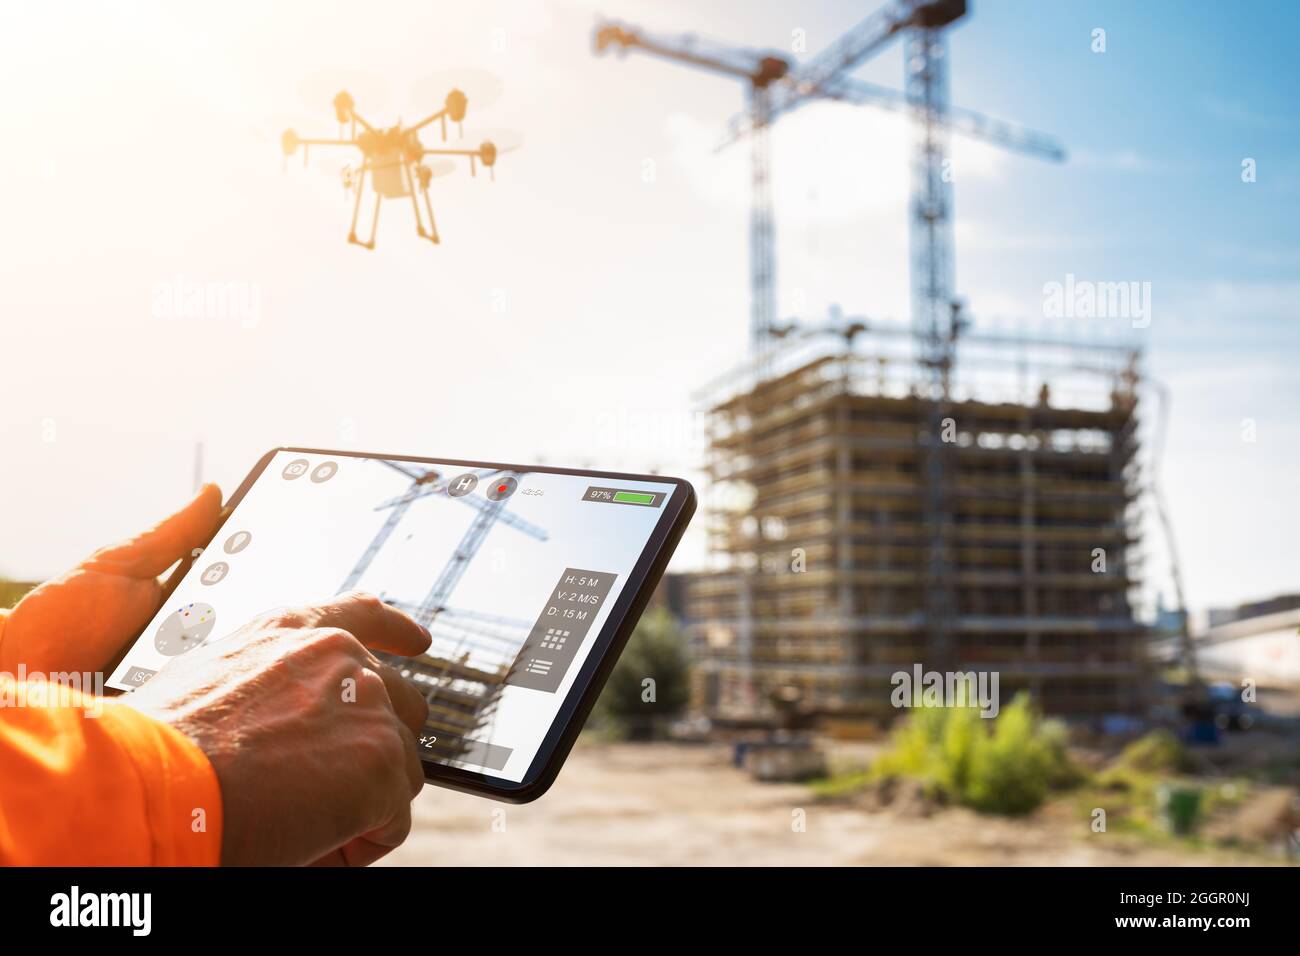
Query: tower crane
x,y
926,89
776,85
759,70
932,285
937,318
935,315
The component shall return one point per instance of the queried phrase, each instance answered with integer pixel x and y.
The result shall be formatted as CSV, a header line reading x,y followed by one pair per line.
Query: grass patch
x,y
842,785
1006,765
1129,789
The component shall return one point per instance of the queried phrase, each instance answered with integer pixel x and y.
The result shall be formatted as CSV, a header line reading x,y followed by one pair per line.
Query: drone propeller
x,y
492,144
453,108
362,86
431,171
476,88
487,155
343,104
345,112
506,140
456,104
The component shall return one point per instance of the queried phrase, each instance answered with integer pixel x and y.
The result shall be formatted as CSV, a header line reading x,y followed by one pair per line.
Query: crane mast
x,y
776,87
760,71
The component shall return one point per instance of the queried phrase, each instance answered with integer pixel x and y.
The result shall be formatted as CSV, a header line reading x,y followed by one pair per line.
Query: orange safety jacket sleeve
x,y
116,789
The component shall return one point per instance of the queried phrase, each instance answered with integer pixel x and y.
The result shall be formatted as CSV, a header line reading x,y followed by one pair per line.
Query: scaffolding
x,y
462,701
822,525
470,658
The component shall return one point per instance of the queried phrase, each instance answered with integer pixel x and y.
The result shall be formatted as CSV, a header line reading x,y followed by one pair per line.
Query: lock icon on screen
x,y
214,573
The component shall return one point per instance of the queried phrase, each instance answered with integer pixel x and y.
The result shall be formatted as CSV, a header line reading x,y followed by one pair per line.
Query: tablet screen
x,y
514,573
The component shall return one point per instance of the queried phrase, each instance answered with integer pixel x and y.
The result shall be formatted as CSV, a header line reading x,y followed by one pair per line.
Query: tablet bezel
x,y
599,662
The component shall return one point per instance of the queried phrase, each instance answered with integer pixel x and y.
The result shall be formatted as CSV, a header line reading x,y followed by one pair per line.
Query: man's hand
x,y
78,622
311,736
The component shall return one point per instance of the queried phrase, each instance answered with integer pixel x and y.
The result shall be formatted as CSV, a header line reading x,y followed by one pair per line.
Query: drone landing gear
x,y
356,212
409,176
432,225
432,234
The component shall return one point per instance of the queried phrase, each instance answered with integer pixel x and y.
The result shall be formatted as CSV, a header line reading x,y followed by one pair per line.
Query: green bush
x,y
1004,765
656,650
1158,751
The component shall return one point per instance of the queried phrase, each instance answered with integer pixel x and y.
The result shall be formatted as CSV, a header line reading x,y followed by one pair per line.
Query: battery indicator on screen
x,y
624,496
634,497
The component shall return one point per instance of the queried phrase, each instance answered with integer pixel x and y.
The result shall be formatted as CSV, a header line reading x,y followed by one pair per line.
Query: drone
x,y
393,158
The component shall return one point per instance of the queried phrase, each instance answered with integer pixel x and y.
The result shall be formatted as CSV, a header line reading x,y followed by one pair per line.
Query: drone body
x,y
393,159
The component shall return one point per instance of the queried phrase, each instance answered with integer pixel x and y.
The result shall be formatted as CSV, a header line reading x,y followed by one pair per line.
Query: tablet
x,y
529,578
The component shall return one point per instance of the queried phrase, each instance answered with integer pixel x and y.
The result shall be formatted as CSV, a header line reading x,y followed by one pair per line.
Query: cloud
x,y
1234,111
1121,160
830,162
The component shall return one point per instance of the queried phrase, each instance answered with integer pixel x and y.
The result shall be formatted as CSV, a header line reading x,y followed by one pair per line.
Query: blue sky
x,y
575,304
1158,127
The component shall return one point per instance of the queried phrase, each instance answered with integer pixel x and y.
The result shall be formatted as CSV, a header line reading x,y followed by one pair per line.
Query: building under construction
x,y
825,532
462,703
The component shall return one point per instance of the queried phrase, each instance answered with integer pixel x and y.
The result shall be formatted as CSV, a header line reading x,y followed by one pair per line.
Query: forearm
x,y
94,783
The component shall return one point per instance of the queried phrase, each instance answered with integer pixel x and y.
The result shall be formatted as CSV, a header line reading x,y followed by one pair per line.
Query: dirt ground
x,y
679,805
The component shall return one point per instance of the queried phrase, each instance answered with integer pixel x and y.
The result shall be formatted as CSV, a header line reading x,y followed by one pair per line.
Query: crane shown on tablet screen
x,y
462,673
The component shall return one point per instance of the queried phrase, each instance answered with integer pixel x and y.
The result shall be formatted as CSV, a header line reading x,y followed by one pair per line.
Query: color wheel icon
x,y
185,629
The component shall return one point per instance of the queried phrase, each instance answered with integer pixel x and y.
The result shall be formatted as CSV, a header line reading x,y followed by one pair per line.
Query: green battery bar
x,y
619,496
634,497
